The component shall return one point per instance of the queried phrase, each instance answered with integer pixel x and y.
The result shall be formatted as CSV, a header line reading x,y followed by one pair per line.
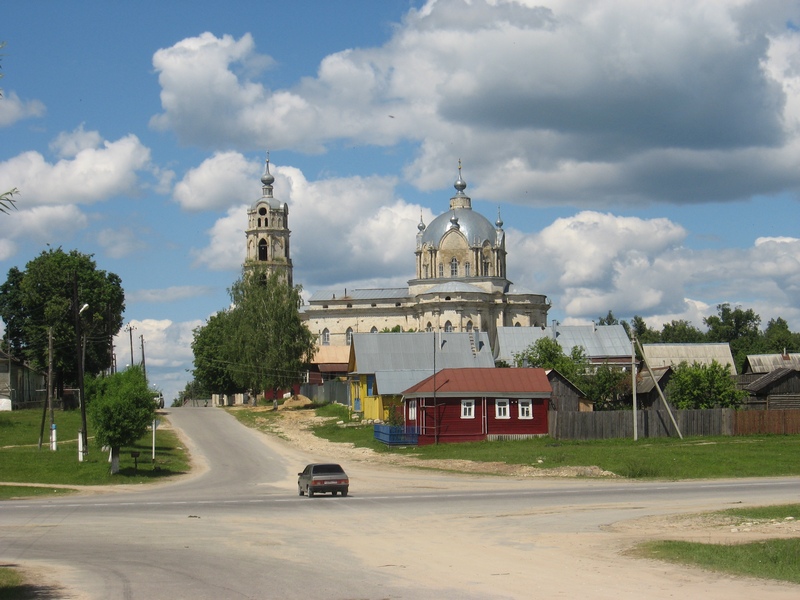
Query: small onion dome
x,y
454,221
499,222
267,178
421,224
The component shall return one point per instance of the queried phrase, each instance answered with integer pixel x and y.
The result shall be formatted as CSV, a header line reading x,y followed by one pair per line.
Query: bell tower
x,y
268,231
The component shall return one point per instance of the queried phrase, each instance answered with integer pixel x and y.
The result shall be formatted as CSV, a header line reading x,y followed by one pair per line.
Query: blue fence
x,y
393,435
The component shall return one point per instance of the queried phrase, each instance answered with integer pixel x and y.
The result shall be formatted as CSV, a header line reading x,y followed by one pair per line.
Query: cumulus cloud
x,y
89,170
122,242
223,179
51,224
13,109
595,103
170,294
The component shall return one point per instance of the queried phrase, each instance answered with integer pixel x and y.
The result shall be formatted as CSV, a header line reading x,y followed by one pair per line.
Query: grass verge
x,y
777,559
22,461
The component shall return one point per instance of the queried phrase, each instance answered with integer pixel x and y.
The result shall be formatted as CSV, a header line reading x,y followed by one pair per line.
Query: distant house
x,y
601,343
383,365
672,355
465,405
647,395
20,385
778,389
329,362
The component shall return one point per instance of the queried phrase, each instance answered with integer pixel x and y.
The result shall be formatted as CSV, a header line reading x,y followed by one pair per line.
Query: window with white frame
x,y
412,410
526,409
468,409
326,337
501,409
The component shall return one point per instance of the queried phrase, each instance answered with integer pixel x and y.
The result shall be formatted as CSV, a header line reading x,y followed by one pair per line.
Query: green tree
x,y
51,293
642,332
212,367
268,346
681,332
738,327
607,386
777,338
703,386
547,353
121,408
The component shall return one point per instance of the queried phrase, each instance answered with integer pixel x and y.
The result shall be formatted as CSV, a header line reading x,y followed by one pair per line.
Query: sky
x,y
644,156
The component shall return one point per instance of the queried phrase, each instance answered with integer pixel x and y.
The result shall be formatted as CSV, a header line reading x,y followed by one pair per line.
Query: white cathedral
x,y
460,282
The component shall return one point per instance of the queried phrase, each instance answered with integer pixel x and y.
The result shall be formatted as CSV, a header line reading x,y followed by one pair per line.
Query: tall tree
x,y
121,407
547,353
212,369
681,332
778,338
268,346
738,327
643,333
51,293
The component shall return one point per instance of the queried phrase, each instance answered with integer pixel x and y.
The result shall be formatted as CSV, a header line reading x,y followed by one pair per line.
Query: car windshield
x,y
327,469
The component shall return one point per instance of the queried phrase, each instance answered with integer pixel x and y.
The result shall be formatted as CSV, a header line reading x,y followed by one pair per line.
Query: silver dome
x,y
474,226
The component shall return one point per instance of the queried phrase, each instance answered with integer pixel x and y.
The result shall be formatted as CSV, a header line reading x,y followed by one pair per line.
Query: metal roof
x,y
512,383
373,352
454,287
394,383
359,294
662,355
764,363
598,341
773,376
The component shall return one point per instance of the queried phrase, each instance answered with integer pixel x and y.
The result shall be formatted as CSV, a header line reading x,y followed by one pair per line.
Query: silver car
x,y
321,478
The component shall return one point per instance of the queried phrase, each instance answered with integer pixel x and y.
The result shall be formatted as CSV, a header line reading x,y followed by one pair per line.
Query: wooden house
x,y
466,405
778,389
567,396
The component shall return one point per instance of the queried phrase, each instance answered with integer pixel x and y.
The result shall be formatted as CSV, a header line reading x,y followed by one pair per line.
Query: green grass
x,y
777,559
660,458
21,460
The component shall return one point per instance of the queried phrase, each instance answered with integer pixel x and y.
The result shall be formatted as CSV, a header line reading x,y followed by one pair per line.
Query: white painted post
x,y
80,445
53,437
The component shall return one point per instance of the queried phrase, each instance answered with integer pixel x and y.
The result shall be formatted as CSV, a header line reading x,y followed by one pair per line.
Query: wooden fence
x,y
652,423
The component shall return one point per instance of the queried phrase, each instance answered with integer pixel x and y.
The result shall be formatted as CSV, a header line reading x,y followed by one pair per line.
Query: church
x,y
460,283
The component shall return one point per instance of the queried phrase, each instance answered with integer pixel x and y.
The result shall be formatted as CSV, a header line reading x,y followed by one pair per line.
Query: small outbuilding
x,y
467,405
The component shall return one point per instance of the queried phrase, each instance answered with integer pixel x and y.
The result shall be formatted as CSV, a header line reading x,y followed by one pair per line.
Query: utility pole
x,y
144,368
50,387
129,328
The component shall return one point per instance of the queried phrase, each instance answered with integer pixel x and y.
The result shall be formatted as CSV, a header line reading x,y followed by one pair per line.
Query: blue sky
x,y
645,157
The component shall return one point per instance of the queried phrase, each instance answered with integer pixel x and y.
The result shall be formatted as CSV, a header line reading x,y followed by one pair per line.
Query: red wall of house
x,y
452,428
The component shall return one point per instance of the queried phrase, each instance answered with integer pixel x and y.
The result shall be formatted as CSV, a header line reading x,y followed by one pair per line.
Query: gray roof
x,y
662,355
375,352
396,382
454,287
764,363
598,341
359,294
767,380
474,226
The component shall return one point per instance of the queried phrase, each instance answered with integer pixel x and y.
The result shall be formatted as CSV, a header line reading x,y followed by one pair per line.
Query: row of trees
x,y
258,344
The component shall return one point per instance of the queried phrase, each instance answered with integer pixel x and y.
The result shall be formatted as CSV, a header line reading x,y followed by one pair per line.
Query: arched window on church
x,y
469,325
517,324
374,329
349,336
454,267
448,327
326,337
262,249
466,269
441,269
429,327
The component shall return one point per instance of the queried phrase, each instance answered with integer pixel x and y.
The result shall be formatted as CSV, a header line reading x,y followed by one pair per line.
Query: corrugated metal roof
x,y
663,355
515,383
598,341
359,294
454,287
375,352
396,382
764,363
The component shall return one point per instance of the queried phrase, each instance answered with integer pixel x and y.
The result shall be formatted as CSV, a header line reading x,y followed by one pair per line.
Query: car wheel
x,y
344,492
333,493
309,492
299,490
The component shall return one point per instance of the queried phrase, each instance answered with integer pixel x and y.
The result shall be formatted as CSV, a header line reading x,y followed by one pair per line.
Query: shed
x,y
567,396
465,405
778,389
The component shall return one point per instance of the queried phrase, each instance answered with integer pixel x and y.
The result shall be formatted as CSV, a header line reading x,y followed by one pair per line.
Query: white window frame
x,y
468,409
526,409
412,410
502,408
326,337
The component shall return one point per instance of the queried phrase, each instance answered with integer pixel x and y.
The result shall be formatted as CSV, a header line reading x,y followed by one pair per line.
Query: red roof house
x,y
466,405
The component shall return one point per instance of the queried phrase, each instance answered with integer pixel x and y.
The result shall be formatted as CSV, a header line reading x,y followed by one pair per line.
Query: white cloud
x,y
226,248
594,104
92,170
220,181
52,224
170,294
13,109
122,242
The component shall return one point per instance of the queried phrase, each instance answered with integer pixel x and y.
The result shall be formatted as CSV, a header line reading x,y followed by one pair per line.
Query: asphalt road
x,y
240,530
